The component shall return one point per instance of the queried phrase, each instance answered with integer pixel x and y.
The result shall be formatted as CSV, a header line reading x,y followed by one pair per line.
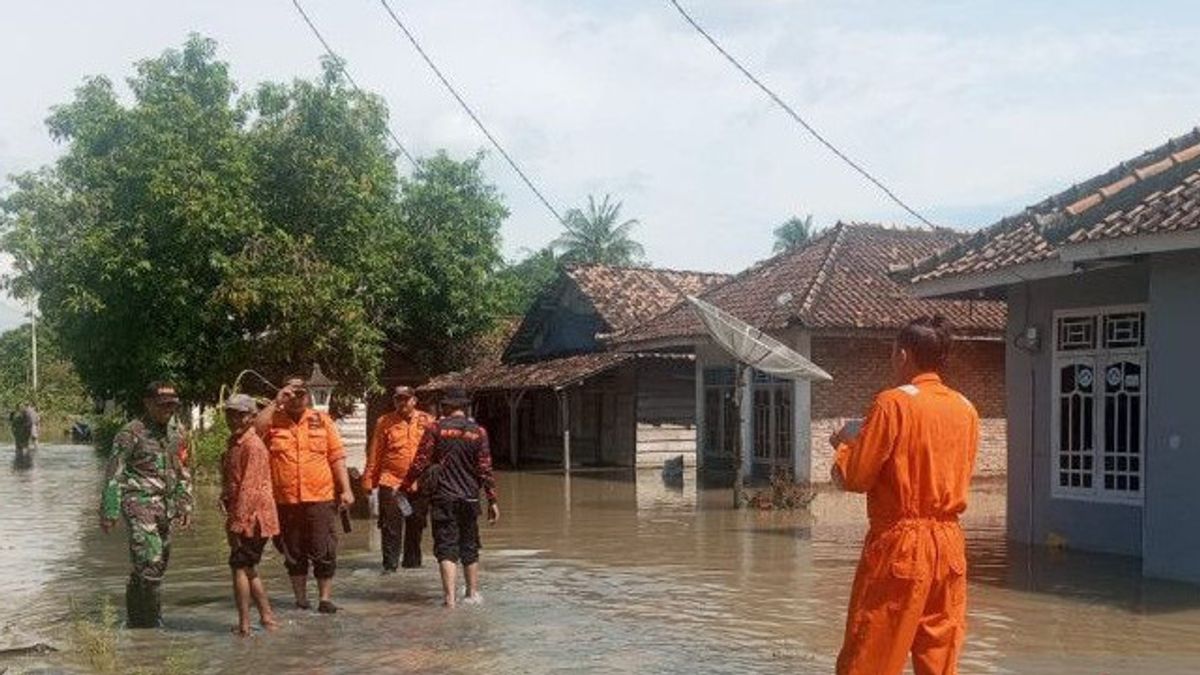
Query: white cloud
x,y
965,111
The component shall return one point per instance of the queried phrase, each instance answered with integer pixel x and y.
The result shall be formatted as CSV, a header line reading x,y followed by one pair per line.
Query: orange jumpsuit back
x,y
913,457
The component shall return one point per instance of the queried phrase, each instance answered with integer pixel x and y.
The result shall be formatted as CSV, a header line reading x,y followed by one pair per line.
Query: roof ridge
x,y
818,280
570,267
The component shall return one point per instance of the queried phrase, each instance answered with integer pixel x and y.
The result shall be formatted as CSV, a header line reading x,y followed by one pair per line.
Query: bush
x,y
104,430
207,446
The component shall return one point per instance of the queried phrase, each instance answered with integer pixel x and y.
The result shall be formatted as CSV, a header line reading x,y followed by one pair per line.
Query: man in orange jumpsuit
x,y
913,457
393,447
311,486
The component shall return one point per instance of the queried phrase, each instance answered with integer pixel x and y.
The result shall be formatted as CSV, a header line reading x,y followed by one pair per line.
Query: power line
x,y
796,116
479,123
341,64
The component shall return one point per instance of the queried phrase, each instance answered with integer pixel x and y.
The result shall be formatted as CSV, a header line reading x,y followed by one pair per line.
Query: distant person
x,y
148,483
454,464
913,457
311,485
390,454
33,422
22,427
249,506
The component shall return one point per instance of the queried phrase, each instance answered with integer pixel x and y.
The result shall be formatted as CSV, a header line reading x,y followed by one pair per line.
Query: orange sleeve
x,y
370,473
862,458
336,450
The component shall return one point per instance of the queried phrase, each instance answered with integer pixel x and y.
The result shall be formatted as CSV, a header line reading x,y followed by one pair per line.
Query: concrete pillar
x,y
746,415
802,418
700,448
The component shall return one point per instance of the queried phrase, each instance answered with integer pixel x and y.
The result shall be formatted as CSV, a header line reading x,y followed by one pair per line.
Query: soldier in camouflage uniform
x,y
149,485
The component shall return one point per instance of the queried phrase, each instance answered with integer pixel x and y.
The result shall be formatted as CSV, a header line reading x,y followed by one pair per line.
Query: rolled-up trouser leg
x,y
391,527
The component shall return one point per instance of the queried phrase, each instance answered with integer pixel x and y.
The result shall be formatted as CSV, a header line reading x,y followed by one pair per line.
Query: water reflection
x,y
604,572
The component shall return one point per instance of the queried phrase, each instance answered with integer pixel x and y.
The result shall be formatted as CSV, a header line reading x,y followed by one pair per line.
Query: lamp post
x,y
320,388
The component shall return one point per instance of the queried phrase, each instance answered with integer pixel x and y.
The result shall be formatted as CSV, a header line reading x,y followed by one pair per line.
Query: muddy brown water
x,y
609,572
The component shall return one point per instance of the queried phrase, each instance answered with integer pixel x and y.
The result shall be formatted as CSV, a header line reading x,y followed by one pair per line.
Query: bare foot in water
x,y
241,630
269,623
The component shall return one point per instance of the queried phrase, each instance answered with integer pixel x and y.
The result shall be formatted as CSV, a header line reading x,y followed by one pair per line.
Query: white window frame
x,y
1099,357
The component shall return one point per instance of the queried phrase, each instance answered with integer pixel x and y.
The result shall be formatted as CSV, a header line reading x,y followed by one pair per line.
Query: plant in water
x,y
94,636
783,493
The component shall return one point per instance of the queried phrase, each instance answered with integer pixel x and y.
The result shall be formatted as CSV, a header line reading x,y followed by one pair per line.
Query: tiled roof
x,y
839,280
549,373
1152,194
627,296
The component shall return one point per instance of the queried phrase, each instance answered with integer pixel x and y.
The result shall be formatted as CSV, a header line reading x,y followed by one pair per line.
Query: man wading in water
x,y
393,447
308,472
913,457
455,452
148,483
250,517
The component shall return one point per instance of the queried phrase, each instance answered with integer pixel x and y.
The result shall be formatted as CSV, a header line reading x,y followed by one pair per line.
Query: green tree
x,y
523,281
595,235
188,234
446,291
793,232
60,392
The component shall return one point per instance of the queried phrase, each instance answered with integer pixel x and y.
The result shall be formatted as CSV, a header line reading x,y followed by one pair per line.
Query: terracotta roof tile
x,y
1154,193
627,296
838,280
533,375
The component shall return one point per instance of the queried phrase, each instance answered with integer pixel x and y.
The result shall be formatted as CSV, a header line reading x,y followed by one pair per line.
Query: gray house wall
x,y
1172,539
1033,515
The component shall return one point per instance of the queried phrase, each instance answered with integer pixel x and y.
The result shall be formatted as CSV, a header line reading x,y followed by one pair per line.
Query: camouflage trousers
x,y
149,529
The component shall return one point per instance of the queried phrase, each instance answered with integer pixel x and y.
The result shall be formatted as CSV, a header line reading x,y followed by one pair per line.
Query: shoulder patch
x,y
910,389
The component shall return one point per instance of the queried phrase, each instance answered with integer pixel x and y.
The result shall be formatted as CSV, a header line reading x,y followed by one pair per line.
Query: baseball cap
x,y
404,391
162,392
241,403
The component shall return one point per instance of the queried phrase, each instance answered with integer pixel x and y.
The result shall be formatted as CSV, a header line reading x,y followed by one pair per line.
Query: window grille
x,y
1098,420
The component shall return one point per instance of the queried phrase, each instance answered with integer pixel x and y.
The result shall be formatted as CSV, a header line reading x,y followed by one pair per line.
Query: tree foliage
x,y
523,281
59,390
189,233
793,232
597,235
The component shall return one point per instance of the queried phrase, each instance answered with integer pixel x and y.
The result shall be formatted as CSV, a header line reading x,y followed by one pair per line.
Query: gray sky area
x,y
969,110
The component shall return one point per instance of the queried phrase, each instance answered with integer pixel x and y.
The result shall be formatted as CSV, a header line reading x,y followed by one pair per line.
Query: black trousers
x,y
399,531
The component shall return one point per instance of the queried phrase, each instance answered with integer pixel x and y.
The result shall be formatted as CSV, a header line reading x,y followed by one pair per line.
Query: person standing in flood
x,y
250,517
913,457
311,485
391,452
454,463
147,482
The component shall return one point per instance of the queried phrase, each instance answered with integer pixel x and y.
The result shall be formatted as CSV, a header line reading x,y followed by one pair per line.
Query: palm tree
x,y
793,232
595,237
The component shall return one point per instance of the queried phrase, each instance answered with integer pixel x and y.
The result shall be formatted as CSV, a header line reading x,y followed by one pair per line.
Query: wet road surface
x,y
607,572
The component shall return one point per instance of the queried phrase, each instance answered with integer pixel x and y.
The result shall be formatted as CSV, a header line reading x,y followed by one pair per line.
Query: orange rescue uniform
x,y
913,457
393,448
302,457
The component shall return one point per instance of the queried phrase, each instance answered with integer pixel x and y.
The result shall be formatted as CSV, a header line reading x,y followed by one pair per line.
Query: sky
x,y
968,110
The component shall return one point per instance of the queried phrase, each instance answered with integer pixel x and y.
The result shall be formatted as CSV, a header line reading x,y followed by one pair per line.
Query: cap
x,y
456,396
404,391
241,403
161,392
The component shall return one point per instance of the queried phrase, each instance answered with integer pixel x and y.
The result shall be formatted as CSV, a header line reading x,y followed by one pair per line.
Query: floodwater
x,y
609,572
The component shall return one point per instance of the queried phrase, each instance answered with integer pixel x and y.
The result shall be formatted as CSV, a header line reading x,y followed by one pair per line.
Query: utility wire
x,y
479,123
796,116
341,64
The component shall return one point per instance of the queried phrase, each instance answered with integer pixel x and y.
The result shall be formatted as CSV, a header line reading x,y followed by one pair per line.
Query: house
x,y
1103,289
558,395
832,300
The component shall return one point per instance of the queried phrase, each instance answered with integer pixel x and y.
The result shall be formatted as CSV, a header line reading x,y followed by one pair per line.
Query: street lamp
x,y
320,388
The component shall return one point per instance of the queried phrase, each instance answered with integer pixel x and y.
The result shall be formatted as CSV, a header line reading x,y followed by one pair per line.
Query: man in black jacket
x,y
454,464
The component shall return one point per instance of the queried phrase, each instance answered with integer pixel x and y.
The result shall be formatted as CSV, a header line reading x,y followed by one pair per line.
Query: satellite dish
x,y
753,347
